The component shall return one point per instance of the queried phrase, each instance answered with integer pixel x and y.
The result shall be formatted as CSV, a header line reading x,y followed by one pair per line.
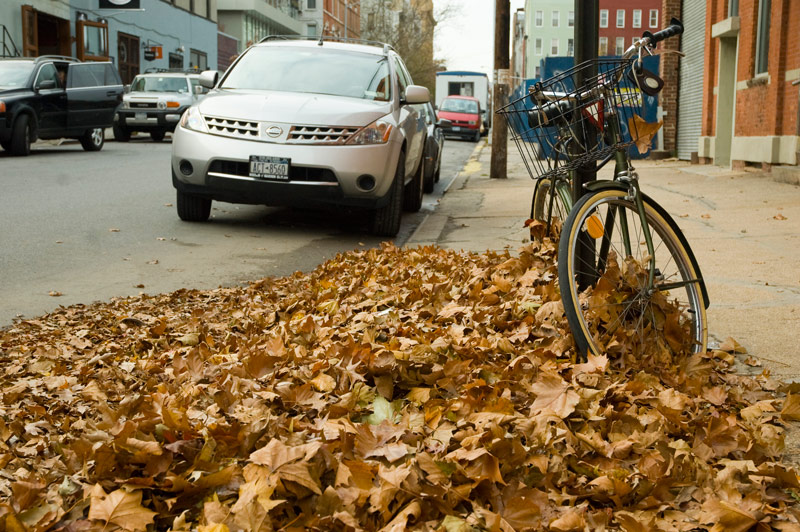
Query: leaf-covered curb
x,y
389,389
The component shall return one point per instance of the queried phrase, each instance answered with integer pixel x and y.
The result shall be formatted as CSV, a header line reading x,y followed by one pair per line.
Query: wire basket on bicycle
x,y
562,124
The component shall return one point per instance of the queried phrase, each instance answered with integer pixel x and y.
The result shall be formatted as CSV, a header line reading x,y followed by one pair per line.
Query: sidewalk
x,y
743,226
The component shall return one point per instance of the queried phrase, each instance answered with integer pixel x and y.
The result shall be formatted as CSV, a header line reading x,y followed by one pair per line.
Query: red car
x,y
465,114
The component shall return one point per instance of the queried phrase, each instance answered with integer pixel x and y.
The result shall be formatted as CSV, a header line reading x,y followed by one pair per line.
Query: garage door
x,y
690,103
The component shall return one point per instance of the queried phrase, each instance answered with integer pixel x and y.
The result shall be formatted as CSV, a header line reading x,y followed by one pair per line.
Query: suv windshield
x,y
159,84
14,74
456,105
312,70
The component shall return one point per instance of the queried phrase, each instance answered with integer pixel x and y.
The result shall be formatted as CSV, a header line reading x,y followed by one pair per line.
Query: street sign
x,y
119,4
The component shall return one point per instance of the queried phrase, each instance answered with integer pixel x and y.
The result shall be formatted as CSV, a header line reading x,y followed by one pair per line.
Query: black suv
x,y
52,97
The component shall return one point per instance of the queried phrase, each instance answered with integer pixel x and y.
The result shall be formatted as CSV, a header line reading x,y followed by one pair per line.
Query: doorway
x,y
44,34
127,57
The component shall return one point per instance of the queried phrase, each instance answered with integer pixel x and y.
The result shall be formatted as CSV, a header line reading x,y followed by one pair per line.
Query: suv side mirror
x,y
126,89
209,78
417,94
444,123
46,84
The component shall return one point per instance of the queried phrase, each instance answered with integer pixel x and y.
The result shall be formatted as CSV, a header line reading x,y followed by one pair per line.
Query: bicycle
x,y
628,278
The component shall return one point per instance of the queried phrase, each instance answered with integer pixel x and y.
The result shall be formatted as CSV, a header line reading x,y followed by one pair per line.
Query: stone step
x,y
786,174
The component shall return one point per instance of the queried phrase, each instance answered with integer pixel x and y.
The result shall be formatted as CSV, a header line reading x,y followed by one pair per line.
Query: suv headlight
x,y
162,104
192,119
126,104
376,133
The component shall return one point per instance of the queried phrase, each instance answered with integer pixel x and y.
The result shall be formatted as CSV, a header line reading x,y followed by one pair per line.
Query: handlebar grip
x,y
675,28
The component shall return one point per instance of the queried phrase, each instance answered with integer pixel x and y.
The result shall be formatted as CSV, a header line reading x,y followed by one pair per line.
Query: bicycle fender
x,y
604,184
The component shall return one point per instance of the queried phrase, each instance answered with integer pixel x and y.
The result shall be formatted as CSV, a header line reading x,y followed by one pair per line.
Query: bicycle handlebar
x,y
675,28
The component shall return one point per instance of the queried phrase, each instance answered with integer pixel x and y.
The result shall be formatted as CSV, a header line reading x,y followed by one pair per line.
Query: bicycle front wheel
x,y
604,274
544,195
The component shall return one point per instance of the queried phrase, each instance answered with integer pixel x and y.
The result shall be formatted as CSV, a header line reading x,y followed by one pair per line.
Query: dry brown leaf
x,y
119,508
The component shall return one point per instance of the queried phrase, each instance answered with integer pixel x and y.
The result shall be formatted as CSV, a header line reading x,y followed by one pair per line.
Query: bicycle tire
x,y
615,313
540,208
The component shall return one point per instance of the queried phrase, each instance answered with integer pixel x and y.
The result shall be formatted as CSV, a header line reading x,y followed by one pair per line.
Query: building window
x,y
603,48
604,18
733,8
637,18
539,22
620,18
554,46
620,48
175,60
311,29
571,19
556,18
762,36
198,60
654,18
92,42
537,72
311,4
570,47
537,49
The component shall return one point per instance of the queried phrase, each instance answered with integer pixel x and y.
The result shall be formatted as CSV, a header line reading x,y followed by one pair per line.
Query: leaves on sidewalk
x,y
389,389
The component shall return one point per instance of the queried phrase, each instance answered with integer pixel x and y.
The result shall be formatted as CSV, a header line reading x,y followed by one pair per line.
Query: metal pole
x,y
587,37
502,22
345,19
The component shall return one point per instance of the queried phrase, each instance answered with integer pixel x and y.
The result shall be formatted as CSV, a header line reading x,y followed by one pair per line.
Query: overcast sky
x,y
466,38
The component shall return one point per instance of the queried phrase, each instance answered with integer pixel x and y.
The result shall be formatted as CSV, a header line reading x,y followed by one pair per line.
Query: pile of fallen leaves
x,y
389,389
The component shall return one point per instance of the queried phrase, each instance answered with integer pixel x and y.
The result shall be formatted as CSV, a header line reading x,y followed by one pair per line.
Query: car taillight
x,y
2,107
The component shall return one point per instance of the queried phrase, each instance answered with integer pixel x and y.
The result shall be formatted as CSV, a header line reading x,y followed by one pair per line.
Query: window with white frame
x,y
556,18
554,46
620,18
637,18
536,72
311,4
537,46
539,20
604,18
603,48
654,18
571,19
619,49
762,36
570,47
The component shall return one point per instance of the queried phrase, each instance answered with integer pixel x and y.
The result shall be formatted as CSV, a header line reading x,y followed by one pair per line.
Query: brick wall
x,y
669,72
765,105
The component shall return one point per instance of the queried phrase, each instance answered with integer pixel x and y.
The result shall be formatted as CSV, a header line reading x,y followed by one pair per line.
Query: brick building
x,y
623,21
750,105
341,18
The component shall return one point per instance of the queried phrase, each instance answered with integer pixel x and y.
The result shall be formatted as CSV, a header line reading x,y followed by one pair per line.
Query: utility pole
x,y
587,36
502,77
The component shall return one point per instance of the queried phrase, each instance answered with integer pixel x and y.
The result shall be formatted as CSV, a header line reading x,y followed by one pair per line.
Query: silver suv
x,y
155,102
302,123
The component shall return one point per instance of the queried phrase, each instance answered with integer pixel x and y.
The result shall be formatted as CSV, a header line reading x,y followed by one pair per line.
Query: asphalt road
x,y
92,226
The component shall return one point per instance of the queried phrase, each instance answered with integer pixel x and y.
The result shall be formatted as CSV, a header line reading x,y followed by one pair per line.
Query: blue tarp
x,y
553,66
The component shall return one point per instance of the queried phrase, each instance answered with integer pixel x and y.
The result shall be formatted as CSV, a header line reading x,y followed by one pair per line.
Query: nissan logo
x,y
274,132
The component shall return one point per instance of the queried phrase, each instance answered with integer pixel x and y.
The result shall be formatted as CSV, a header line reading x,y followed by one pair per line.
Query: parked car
x,y
53,97
155,102
465,114
305,123
434,144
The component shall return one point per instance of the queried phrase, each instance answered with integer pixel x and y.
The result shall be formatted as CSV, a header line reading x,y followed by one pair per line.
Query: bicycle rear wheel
x,y
616,312
545,193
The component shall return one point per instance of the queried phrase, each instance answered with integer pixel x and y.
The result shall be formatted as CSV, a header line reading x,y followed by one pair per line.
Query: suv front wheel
x,y
121,133
21,136
93,139
386,220
193,208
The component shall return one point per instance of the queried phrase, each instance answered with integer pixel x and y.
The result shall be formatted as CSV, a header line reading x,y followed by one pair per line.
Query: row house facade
x,y
750,85
154,34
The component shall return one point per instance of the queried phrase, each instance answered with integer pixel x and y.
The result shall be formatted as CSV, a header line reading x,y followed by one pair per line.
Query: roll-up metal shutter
x,y
690,97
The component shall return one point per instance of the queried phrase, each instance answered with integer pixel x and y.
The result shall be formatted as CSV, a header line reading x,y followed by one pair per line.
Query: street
x,y
81,227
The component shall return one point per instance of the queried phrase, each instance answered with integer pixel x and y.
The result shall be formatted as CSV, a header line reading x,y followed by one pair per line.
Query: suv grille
x,y
242,129
320,135
143,105
296,173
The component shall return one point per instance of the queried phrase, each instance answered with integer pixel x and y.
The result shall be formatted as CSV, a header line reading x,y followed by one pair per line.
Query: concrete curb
x,y
432,226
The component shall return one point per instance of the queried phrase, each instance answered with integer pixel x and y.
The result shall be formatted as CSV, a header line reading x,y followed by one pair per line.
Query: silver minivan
x,y
302,123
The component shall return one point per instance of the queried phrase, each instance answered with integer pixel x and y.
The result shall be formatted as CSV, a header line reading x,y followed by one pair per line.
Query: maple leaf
x,y
727,517
791,408
555,395
120,508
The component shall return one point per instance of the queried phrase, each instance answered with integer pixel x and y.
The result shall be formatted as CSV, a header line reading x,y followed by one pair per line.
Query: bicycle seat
x,y
544,115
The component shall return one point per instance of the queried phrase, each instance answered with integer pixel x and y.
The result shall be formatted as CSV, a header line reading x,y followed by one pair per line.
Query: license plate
x,y
269,167
140,116
456,128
